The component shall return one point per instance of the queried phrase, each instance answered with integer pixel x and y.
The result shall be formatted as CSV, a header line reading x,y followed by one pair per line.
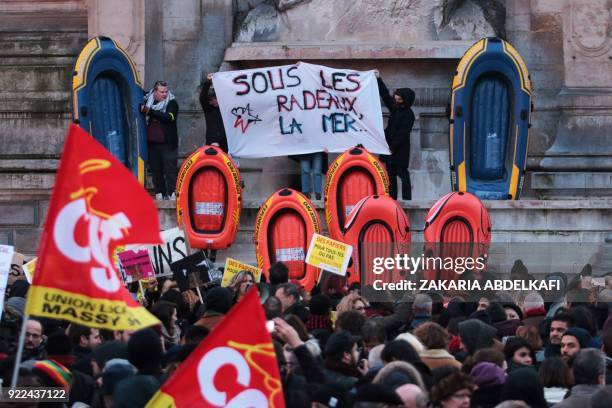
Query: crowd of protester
x,y
335,349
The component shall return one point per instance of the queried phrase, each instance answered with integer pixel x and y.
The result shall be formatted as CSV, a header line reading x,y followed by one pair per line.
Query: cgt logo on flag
x,y
96,205
221,358
235,366
101,229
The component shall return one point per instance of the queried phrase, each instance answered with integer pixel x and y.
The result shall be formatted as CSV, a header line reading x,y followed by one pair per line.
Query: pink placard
x,y
137,265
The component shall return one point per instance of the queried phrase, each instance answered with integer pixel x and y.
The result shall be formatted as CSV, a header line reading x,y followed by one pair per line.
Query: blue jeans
x,y
312,163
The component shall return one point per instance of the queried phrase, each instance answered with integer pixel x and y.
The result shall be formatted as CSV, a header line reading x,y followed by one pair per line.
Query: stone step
x,y
571,184
566,224
602,261
28,45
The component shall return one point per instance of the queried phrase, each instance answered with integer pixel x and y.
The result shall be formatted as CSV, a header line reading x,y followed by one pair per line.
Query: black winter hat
x,y
524,384
583,336
108,351
320,305
145,349
496,312
481,315
218,299
58,344
339,342
476,335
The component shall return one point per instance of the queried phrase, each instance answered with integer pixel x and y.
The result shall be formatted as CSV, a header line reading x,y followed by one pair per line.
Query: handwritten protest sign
x,y
296,109
28,270
191,272
136,265
233,267
16,270
172,250
6,257
329,254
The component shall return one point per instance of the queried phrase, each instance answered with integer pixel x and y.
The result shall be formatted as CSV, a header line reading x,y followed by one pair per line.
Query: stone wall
x,y
418,44
566,45
39,42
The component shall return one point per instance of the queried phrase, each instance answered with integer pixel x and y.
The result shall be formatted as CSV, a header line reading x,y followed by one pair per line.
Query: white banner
x,y
297,109
172,250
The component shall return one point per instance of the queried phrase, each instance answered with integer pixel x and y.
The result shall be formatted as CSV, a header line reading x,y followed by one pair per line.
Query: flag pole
x,y
199,294
19,351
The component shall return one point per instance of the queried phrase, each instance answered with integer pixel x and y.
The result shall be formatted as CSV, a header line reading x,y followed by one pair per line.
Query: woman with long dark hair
x,y
166,313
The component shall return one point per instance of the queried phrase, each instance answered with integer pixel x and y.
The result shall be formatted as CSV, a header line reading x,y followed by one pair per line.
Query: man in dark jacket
x,y
161,110
289,295
397,134
84,340
215,132
342,365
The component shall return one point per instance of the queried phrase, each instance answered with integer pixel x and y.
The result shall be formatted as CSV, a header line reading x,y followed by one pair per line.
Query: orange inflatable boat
x,y
458,225
209,199
376,227
284,227
354,174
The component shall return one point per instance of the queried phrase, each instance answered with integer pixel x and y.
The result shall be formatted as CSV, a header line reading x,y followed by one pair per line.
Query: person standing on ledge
x,y
215,132
161,110
397,134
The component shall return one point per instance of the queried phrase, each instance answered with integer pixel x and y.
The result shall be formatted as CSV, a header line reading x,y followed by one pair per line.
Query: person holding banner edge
x,y
215,132
397,134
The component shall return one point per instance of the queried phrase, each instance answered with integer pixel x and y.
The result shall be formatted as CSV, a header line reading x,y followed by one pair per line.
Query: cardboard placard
x,y
329,254
28,270
16,270
191,272
137,265
232,267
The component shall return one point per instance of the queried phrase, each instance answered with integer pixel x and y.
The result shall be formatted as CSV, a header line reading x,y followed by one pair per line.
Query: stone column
x,y
585,126
124,22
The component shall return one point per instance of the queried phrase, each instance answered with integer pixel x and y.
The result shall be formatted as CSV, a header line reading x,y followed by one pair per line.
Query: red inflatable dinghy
x,y
376,227
209,199
354,174
457,218
284,227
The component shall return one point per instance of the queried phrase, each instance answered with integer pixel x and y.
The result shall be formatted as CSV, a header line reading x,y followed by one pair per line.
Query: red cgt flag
x,y
96,205
235,366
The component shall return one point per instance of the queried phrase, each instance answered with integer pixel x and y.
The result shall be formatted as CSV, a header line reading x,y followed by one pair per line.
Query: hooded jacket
x,y
476,335
215,132
524,385
399,126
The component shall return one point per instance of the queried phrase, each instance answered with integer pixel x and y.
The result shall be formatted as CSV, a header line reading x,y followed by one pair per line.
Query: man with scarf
x,y
397,134
161,110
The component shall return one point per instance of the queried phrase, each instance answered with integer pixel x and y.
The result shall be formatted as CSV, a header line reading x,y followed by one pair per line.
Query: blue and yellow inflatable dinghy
x,y
106,94
490,113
